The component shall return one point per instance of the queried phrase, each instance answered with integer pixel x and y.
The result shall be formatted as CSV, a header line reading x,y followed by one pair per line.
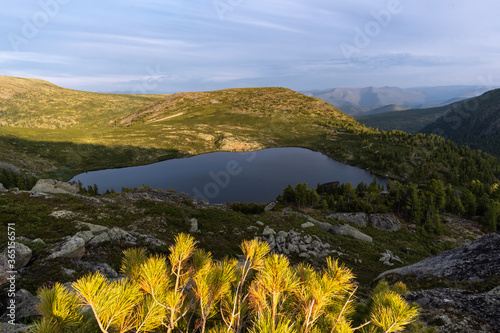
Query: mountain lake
x,y
258,176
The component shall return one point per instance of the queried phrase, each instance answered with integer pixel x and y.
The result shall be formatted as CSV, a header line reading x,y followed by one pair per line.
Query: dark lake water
x,y
227,177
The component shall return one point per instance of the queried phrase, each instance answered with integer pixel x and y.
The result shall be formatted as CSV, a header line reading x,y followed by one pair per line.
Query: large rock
x,y
22,256
2,188
26,304
71,248
475,261
53,186
387,222
347,230
358,219
194,225
471,305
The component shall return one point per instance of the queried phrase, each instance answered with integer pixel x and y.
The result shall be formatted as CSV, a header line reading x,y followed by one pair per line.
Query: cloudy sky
x,y
151,46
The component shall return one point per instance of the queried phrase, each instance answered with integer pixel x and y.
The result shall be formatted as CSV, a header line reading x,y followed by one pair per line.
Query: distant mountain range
x,y
372,100
474,122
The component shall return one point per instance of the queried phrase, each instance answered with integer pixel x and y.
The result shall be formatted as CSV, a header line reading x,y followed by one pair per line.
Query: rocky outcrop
x,y
52,186
358,219
481,306
468,266
386,222
475,261
347,230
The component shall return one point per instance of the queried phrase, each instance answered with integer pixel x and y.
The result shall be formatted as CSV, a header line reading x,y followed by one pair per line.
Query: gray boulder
x,y
388,258
22,257
270,206
307,225
475,261
387,222
347,230
194,225
2,188
85,235
268,231
483,306
53,186
25,307
358,219
71,248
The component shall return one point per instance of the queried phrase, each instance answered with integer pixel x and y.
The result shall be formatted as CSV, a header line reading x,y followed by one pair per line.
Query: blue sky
x,y
153,46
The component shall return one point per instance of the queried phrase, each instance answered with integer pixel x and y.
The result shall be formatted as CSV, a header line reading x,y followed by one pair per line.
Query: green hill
x,y
49,131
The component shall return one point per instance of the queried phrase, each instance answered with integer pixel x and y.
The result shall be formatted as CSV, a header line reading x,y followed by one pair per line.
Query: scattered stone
x,y
270,206
358,219
307,225
347,230
68,271
282,234
62,214
388,258
194,225
304,255
259,223
53,186
24,239
268,231
386,222
38,240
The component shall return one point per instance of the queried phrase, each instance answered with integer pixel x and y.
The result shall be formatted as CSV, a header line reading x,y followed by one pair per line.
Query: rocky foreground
x,y
457,289
472,302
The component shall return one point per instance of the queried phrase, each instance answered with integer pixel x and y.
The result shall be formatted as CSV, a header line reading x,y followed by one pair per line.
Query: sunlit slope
x,y
32,103
55,123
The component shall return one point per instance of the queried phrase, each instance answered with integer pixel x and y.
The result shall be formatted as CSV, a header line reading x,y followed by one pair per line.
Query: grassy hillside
x,y
61,132
54,132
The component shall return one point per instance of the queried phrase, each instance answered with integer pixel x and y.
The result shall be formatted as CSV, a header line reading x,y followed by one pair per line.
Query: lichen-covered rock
x,y
194,225
22,255
470,305
53,186
386,222
71,248
358,219
347,230
26,304
475,261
